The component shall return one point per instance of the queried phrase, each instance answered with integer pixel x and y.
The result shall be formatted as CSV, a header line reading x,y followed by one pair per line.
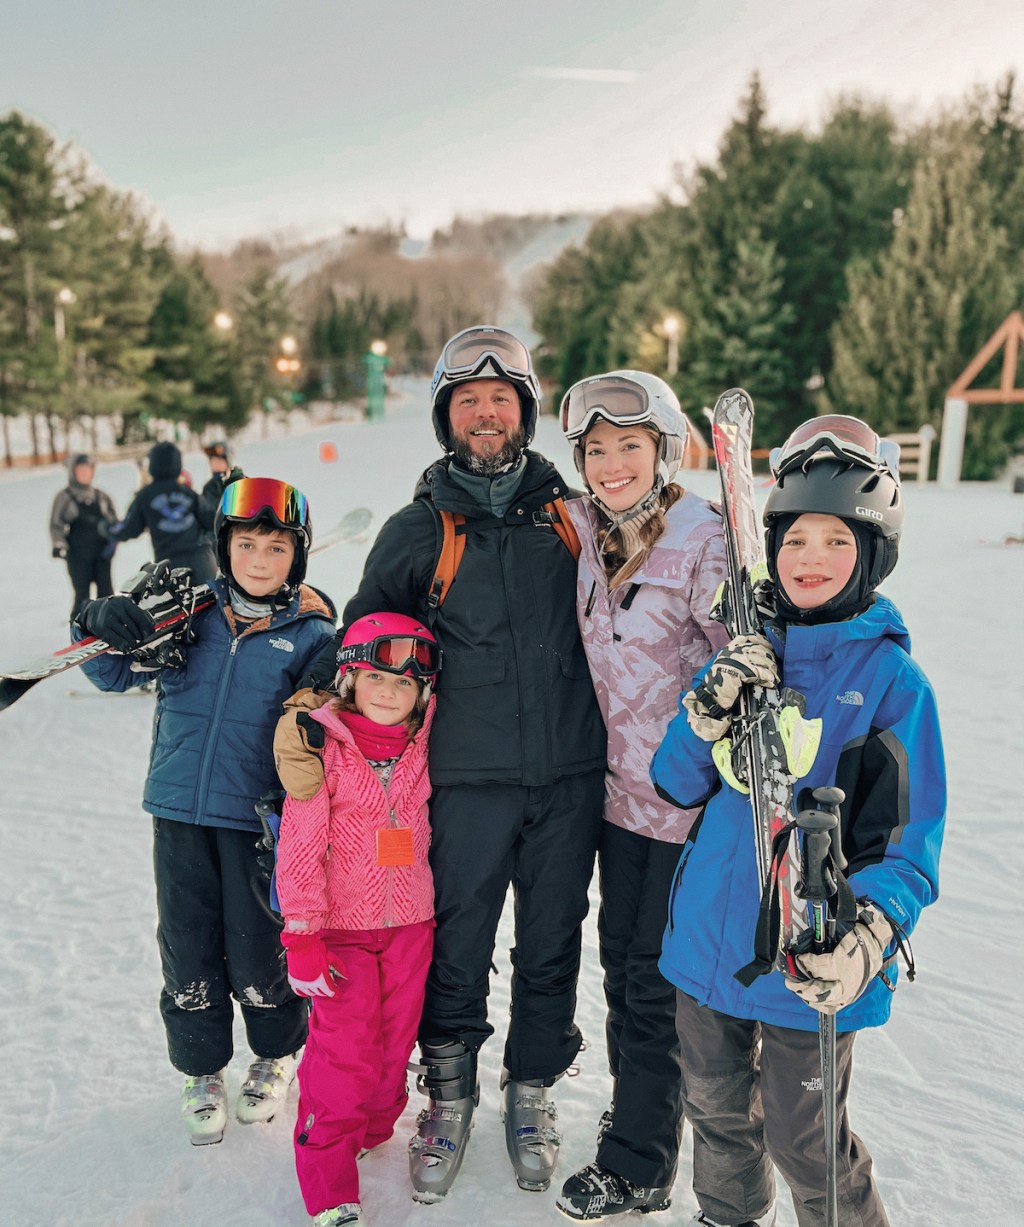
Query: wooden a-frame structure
x,y
1009,337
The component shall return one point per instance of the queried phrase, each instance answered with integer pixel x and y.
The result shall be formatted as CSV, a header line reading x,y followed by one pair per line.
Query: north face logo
x,y
851,698
284,644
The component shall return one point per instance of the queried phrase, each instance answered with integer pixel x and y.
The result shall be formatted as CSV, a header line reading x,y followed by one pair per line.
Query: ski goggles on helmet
x,y
468,352
846,438
619,401
402,654
252,497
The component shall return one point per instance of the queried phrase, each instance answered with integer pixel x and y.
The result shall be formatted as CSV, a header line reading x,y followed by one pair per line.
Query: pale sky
x,y
239,117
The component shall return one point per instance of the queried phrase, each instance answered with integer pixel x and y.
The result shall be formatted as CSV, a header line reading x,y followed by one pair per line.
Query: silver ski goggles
x,y
619,401
402,654
846,438
468,352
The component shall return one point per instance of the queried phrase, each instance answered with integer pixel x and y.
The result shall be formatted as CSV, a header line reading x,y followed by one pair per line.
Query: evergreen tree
x,y
912,324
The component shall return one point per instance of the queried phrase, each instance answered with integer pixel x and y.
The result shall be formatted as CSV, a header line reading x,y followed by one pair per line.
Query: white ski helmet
x,y
626,398
484,352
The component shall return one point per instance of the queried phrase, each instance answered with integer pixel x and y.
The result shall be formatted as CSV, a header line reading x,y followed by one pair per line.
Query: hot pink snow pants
x,y
352,1086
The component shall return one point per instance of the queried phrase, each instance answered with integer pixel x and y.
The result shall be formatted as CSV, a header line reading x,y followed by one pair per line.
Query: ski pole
x,y
818,819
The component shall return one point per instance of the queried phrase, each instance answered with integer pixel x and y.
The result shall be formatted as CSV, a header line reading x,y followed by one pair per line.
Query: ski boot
x,y
204,1108
448,1075
766,1220
596,1193
264,1089
348,1215
531,1139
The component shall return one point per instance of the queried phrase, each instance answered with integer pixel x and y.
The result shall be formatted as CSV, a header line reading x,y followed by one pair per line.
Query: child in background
x,y
210,762
357,896
79,514
751,1062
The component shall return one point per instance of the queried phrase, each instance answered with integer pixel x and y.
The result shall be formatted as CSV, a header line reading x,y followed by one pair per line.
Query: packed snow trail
x,y
90,1130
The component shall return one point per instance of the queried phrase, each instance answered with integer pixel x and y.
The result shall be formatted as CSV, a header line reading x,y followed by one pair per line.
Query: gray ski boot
x,y
531,1139
448,1075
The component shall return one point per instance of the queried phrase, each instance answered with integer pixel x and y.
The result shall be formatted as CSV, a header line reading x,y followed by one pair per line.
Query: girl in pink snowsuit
x,y
357,897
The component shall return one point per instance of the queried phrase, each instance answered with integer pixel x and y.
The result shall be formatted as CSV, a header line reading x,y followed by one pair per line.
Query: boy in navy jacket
x,y
752,1088
212,758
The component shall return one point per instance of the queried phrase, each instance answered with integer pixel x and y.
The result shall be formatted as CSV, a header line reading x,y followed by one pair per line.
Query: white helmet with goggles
x,y
484,352
627,398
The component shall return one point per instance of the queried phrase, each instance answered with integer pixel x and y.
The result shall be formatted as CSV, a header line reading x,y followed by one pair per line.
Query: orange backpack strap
x,y
564,526
453,546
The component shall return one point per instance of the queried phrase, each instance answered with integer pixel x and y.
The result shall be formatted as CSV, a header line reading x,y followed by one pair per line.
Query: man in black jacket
x,y
178,519
517,754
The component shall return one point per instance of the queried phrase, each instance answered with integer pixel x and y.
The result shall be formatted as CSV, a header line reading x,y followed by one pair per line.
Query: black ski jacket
x,y
515,700
179,523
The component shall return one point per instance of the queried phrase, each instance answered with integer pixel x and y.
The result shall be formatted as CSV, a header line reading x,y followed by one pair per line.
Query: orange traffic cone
x,y
328,452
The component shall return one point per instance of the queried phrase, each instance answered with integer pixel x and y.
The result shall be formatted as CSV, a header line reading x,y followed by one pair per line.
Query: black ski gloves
x,y
116,620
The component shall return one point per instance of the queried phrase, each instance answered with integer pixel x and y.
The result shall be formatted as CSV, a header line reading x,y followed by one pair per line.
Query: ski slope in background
x,y
90,1133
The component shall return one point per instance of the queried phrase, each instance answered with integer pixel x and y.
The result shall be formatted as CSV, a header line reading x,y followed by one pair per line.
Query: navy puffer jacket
x,y
213,733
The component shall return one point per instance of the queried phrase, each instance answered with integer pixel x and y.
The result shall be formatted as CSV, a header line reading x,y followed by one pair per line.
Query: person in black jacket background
x,y
179,520
79,516
517,754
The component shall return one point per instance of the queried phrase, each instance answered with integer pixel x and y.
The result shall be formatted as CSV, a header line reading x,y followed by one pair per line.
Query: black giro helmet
x,y
821,470
253,500
484,352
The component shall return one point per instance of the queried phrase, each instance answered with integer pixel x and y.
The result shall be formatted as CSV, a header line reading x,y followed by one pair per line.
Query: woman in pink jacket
x,y
652,559
358,901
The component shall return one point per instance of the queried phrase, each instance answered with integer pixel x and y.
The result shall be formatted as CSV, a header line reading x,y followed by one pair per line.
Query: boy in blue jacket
x,y
751,1082
212,758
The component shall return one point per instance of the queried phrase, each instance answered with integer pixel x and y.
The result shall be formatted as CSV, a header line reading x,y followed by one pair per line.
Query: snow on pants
x,y
642,1142
352,1085
753,1105
542,841
219,938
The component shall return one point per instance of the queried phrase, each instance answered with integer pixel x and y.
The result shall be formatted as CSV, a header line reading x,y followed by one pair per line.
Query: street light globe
x,y
223,321
672,326
66,296
380,348
289,345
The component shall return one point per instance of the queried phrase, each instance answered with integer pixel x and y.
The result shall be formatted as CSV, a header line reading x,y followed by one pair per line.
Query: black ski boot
x,y
448,1075
531,1139
596,1193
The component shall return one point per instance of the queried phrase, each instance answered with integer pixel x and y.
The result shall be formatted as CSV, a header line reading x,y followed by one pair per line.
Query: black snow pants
x,y
642,1142
219,939
86,570
542,841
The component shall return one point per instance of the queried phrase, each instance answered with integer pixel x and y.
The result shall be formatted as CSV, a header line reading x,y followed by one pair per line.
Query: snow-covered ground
x,y
89,1132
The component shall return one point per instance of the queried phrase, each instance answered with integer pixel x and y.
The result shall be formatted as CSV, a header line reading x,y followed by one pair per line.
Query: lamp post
x,y
672,327
377,362
63,298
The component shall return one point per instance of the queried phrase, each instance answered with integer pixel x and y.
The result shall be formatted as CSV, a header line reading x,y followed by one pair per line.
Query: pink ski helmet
x,y
390,643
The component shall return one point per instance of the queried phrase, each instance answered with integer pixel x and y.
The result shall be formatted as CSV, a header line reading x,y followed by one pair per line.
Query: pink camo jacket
x,y
644,642
327,870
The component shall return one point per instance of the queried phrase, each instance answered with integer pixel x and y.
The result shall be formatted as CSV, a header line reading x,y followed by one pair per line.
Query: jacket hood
x,y
164,462
437,485
881,620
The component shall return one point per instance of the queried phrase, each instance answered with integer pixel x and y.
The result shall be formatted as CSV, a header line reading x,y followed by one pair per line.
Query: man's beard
x,y
494,463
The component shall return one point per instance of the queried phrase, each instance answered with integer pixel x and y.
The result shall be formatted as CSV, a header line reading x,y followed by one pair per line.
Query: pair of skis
x,y
172,601
796,882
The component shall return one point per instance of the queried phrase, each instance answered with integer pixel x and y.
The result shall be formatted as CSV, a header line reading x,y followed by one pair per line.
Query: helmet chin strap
x,y
250,606
648,501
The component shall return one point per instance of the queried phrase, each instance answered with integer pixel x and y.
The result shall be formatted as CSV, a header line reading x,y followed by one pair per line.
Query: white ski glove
x,y
747,660
838,978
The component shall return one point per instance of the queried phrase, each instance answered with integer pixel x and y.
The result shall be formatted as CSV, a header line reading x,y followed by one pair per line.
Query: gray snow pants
x,y
752,1093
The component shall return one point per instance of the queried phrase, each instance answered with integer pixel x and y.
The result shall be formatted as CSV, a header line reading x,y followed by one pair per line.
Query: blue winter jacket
x,y
213,731
881,745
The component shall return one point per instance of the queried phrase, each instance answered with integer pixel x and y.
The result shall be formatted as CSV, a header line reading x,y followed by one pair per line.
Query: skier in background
x,y
78,517
177,518
652,559
751,1062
